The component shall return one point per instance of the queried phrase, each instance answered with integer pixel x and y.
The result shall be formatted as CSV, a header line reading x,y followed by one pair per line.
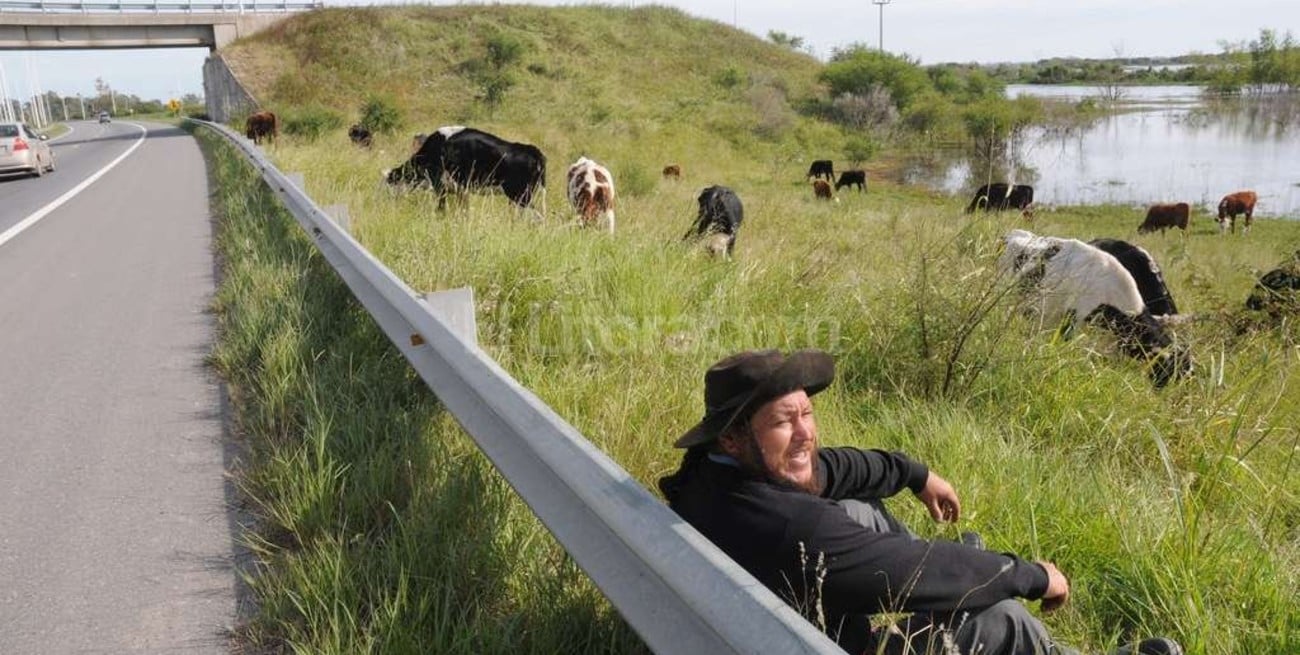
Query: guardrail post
x,y
456,308
340,215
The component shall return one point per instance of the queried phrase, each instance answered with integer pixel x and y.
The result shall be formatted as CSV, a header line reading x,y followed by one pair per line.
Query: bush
x,y
932,115
859,149
858,69
379,115
774,117
729,77
312,121
873,109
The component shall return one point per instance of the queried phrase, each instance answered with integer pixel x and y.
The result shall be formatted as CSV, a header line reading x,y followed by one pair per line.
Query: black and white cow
x,y
1073,283
718,220
460,159
1142,267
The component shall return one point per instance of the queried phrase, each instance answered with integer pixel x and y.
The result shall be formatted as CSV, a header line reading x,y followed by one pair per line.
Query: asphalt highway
x,y
117,530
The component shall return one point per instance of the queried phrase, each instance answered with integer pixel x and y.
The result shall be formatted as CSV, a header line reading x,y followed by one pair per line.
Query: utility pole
x,y
64,99
881,4
83,106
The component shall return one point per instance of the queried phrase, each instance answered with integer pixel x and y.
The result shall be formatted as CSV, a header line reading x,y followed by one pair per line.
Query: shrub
x,y
859,149
729,77
774,116
379,115
873,109
858,69
312,121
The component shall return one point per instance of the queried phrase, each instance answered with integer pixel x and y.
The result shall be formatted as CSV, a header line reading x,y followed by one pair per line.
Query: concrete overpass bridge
x,y
101,24
120,24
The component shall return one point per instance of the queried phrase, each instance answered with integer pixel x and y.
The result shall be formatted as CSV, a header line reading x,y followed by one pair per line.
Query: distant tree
x,y
788,40
857,69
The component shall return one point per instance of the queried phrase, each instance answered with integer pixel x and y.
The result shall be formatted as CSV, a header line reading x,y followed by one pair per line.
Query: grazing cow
x,y
852,178
261,125
822,168
721,214
417,142
674,171
1163,217
1241,202
464,159
591,192
1077,283
360,136
822,190
1145,273
1278,291
1000,196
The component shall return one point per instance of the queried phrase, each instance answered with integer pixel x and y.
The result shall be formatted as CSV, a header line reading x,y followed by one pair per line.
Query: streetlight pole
x,y
881,4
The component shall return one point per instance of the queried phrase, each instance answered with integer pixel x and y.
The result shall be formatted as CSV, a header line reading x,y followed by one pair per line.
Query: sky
x,y
934,31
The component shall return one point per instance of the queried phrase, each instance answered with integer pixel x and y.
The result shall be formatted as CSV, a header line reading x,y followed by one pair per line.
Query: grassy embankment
x,y
1174,512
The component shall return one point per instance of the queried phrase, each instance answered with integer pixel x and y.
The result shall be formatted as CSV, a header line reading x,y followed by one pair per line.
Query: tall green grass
x,y
1174,512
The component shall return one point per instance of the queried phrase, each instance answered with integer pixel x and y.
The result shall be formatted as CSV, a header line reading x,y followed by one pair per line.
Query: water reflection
x,y
1169,145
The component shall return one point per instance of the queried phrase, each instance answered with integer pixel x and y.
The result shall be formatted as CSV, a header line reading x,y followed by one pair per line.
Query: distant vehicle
x,y
23,150
104,117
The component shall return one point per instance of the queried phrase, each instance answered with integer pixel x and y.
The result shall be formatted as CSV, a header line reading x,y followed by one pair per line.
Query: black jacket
x,y
780,534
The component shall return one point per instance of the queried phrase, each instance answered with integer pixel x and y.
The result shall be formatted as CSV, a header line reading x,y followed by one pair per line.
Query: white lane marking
x,y
43,211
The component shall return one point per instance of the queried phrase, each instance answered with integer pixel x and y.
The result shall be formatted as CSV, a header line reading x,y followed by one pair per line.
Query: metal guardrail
x,y
676,589
157,6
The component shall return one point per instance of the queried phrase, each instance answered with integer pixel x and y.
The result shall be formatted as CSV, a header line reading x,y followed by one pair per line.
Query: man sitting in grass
x,y
808,523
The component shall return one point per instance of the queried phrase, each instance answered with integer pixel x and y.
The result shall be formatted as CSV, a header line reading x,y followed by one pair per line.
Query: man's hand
x,y
940,498
1058,588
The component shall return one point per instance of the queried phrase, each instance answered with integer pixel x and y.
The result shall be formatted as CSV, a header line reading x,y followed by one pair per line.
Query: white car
x,y
23,150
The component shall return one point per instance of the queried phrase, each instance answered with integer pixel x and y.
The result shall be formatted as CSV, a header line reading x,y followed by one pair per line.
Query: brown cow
x,y
822,189
674,171
1163,217
261,125
1241,202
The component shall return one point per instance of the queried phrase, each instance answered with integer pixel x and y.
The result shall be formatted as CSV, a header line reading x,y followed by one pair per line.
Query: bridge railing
x,y
673,586
158,6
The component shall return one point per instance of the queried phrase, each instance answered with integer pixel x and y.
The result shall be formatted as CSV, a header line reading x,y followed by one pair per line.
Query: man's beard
x,y
752,463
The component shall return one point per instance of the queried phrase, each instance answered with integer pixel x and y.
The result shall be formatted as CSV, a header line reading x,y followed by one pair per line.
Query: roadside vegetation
x,y
383,530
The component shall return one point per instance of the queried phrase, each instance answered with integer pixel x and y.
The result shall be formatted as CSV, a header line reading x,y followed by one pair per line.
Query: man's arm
x,y
869,572
858,473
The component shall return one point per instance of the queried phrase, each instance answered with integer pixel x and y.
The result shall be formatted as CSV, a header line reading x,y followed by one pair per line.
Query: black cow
x,y
720,213
822,168
1139,264
360,135
999,196
852,178
465,159
1278,291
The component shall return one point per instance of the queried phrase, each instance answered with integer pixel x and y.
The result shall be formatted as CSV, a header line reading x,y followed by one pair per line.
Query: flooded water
x,y
1170,145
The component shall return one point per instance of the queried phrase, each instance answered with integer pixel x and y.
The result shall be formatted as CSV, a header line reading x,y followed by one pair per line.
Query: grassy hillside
x,y
590,80
1174,512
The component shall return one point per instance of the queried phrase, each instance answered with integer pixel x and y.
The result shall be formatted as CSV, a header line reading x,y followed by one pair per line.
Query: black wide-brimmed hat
x,y
739,384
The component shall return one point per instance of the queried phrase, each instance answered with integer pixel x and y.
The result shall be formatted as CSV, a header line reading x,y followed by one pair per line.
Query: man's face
x,y
782,441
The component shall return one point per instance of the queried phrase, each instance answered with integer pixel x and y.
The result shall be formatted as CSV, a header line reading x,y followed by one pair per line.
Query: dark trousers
x,y
1005,628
